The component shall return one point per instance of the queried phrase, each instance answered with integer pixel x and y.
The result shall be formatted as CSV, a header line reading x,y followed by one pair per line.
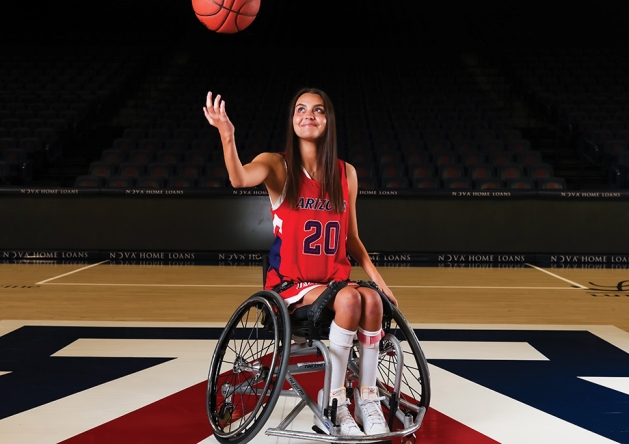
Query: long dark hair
x,y
327,165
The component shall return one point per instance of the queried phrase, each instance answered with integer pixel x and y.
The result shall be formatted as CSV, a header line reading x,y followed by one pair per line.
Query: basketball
x,y
226,16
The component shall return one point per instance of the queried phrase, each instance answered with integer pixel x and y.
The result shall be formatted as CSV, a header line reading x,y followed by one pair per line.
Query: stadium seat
x,y
211,182
551,183
367,183
202,145
136,134
488,184
526,158
464,147
510,171
481,171
178,145
507,135
385,157
521,183
190,170
400,182
160,169
472,159
141,156
438,145
7,143
359,156
150,182
160,134
427,183
450,171
197,156
20,133
501,158
181,182
393,169
185,134
418,157
485,135
120,182
124,144
417,171
101,169
169,156
112,155
132,169
34,123
216,170
445,157
519,145
539,170
364,169
151,144
88,181
457,182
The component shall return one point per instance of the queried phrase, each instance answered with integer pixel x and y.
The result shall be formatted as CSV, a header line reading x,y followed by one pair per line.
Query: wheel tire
x,y
249,364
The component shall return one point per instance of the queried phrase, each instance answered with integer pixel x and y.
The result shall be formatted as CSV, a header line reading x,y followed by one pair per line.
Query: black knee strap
x,y
317,307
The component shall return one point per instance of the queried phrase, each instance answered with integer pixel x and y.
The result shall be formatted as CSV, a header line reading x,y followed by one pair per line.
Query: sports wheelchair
x,y
263,352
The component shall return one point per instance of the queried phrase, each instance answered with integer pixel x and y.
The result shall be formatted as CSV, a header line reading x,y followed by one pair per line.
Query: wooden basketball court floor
x,y
107,352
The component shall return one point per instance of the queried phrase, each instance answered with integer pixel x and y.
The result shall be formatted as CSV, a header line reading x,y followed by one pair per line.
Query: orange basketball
x,y
226,16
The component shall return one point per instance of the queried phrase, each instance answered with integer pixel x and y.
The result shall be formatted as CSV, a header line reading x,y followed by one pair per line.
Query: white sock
x,y
341,342
368,350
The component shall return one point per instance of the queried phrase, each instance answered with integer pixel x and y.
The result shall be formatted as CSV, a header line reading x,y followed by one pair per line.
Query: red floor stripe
x,y
179,418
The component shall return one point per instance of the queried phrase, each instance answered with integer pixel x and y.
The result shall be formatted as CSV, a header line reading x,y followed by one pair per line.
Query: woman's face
x,y
309,118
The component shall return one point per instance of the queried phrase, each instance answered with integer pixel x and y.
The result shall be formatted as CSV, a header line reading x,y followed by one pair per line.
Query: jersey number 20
x,y
326,236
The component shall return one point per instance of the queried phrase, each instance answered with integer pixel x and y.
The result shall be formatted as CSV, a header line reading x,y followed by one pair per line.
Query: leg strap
x,y
317,307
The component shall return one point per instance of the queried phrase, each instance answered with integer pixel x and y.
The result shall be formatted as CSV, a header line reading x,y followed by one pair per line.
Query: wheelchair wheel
x,y
248,368
414,389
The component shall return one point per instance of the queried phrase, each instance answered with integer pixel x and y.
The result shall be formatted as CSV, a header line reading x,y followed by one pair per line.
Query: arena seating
x,y
434,130
47,94
582,91
436,122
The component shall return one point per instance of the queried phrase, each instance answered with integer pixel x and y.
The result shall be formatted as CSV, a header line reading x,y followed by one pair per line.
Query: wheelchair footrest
x,y
324,437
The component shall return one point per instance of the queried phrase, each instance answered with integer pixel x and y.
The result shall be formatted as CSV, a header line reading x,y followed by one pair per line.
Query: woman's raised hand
x,y
215,114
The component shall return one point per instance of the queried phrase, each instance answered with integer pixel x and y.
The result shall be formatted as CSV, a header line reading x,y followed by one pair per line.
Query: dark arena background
x,y
491,145
475,130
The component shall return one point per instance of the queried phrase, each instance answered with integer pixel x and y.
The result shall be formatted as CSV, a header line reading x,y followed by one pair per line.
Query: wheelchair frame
x,y
243,388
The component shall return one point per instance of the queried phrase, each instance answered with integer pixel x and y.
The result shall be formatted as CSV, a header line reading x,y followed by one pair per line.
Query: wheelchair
x,y
263,352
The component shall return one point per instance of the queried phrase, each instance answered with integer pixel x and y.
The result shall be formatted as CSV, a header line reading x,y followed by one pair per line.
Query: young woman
x,y
313,205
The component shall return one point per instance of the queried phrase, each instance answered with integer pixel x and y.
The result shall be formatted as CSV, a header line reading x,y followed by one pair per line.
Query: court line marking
x,y
575,286
153,285
480,287
445,287
72,272
582,287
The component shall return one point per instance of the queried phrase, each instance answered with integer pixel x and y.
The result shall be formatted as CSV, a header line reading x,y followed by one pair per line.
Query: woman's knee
x,y
348,300
371,303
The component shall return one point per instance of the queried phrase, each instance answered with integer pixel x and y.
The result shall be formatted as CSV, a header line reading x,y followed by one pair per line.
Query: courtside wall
x,y
418,225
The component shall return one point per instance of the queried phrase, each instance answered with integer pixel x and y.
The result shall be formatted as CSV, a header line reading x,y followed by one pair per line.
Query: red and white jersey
x,y
310,239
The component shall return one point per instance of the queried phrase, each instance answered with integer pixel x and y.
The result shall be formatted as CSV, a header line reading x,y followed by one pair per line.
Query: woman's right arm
x,y
240,176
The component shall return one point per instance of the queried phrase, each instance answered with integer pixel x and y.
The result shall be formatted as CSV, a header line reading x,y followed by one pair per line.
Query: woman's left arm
x,y
355,247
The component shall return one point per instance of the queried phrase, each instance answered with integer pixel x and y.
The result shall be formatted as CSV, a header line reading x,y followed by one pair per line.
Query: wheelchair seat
x,y
301,328
313,321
